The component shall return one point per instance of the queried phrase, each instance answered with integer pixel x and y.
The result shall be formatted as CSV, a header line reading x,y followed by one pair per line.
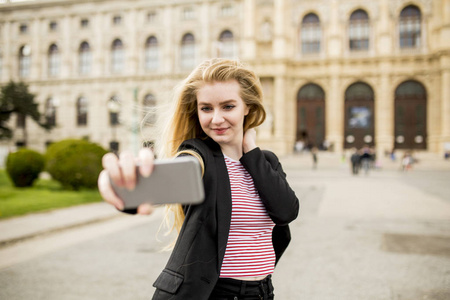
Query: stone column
x,y
249,44
445,75
97,46
384,114
279,42
334,107
384,44
65,49
280,114
7,53
37,66
171,44
131,44
445,109
334,48
206,39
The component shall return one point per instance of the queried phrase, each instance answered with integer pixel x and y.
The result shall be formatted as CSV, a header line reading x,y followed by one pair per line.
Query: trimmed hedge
x,y
75,163
23,167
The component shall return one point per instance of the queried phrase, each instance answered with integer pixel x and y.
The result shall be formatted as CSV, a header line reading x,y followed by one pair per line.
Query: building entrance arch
x,y
311,115
359,129
410,130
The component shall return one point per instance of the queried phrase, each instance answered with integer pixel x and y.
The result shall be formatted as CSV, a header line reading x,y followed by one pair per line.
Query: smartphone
x,y
176,180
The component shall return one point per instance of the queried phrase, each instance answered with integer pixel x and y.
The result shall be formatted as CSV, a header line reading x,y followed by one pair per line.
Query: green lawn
x,y
44,195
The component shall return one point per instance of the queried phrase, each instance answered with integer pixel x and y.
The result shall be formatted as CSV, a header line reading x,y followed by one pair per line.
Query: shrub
x,y
24,166
75,163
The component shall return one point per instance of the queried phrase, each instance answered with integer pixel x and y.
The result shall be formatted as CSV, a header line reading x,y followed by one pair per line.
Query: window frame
x,y
359,31
84,58
187,51
311,34
117,56
410,39
53,60
151,53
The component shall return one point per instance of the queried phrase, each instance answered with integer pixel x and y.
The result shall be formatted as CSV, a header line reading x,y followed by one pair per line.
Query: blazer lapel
x,y
223,207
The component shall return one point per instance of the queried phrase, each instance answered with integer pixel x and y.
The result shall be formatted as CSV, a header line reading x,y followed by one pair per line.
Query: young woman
x,y
228,246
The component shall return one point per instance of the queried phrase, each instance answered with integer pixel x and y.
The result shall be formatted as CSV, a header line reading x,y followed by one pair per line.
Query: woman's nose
x,y
217,118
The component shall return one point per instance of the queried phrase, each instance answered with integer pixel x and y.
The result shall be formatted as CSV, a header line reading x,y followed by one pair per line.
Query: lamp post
x,y
135,123
113,108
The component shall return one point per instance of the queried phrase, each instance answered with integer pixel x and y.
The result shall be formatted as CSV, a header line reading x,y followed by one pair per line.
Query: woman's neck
x,y
232,152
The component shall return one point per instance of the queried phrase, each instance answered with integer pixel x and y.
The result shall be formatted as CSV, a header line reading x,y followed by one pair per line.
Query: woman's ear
x,y
247,110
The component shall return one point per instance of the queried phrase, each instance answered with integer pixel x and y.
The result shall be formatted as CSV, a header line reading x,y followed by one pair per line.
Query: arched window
x,y
53,60
149,105
311,115
226,44
410,27
117,56
410,116
359,31
151,53
84,58
82,111
188,51
50,111
311,34
24,61
359,116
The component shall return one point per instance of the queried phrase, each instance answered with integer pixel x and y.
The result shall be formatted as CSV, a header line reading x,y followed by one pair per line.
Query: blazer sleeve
x,y
270,180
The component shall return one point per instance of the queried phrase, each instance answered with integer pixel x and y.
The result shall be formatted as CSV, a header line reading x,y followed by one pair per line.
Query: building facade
x,y
336,74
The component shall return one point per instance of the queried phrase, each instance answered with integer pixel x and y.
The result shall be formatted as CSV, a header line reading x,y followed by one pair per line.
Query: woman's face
x,y
221,112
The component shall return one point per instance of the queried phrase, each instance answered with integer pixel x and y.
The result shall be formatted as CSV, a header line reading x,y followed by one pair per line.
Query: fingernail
x,y
145,171
130,186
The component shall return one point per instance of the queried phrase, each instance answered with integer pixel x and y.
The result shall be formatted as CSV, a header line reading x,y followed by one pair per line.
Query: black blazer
x,y
194,265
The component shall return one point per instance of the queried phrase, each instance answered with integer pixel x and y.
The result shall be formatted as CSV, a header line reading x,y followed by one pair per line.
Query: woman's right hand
x,y
122,170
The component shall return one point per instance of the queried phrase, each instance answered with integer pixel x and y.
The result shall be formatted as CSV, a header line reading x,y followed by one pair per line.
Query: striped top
x,y
249,249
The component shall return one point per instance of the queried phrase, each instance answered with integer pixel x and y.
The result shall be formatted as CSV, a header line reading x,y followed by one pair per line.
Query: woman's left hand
x,y
249,142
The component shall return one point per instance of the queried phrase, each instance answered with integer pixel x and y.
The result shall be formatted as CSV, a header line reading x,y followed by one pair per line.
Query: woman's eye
x,y
205,108
228,107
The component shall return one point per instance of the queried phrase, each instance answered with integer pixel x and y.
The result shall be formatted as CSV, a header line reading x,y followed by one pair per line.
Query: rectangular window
x,y
117,20
188,13
24,66
53,26
84,23
23,28
227,10
21,121
151,17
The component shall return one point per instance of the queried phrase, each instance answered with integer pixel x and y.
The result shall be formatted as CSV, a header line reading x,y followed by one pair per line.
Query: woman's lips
x,y
220,130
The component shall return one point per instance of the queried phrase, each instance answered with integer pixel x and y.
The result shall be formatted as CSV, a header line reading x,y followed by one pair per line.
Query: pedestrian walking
x,y
355,161
228,246
314,155
407,161
366,159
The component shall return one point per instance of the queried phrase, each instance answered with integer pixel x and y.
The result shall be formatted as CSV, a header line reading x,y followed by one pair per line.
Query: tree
x,y
15,98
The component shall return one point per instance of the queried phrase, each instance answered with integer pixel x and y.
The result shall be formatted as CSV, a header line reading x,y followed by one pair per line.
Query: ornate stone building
x,y
335,73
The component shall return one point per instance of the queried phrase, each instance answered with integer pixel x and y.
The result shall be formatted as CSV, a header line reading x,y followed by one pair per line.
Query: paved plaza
x,y
376,236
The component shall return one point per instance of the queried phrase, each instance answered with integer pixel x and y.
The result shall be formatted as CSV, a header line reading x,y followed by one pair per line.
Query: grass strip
x,y
45,194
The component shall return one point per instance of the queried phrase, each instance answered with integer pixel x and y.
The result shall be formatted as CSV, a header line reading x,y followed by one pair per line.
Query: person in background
x,y
314,154
228,246
355,161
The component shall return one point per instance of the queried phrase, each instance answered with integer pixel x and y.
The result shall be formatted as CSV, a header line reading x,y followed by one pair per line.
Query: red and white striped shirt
x,y
249,249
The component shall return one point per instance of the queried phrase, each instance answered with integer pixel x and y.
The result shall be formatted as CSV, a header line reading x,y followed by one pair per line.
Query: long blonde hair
x,y
184,123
